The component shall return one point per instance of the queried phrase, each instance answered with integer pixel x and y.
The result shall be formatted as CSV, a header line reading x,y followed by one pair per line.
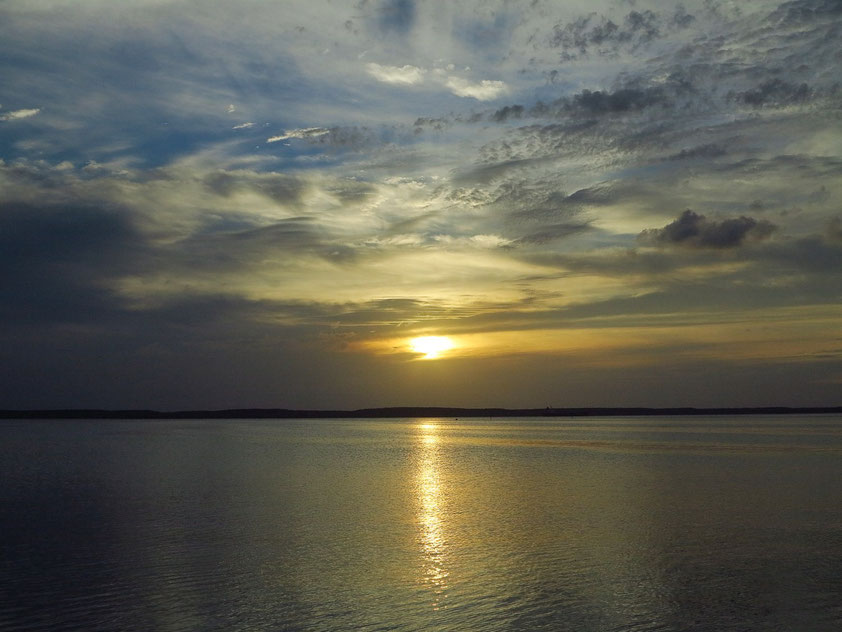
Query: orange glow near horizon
x,y
431,346
605,344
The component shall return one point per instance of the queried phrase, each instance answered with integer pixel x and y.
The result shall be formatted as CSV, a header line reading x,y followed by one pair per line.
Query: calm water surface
x,y
422,524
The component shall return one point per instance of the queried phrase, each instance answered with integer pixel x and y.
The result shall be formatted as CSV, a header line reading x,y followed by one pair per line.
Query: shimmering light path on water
x,y
415,524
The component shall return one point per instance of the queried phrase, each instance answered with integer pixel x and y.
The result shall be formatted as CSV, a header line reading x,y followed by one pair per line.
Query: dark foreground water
x,y
435,524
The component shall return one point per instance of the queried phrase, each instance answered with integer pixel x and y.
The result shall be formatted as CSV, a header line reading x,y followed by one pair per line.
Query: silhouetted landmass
x,y
285,413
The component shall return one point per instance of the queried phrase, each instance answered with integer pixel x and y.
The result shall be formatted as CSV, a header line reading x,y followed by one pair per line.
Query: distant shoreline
x,y
412,412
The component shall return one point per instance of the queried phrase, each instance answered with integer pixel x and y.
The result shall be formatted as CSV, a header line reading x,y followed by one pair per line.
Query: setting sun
x,y
430,346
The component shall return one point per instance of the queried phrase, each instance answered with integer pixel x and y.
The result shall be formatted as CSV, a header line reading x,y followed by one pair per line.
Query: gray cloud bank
x,y
693,229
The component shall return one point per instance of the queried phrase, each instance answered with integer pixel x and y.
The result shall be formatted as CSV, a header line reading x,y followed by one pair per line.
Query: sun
x,y
430,346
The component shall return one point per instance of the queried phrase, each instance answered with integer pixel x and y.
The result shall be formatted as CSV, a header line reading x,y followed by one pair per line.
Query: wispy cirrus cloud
x,y
18,114
404,75
484,90
307,133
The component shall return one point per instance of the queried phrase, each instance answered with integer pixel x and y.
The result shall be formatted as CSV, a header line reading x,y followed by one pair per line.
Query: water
x,y
719,523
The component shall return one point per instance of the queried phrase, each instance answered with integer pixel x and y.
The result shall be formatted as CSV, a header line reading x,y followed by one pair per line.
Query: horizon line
x,y
408,411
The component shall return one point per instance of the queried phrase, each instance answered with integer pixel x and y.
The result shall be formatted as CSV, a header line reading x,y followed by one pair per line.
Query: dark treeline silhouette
x,y
425,411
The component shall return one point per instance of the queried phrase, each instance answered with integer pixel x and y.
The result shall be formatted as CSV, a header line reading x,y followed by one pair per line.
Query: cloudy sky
x,y
255,203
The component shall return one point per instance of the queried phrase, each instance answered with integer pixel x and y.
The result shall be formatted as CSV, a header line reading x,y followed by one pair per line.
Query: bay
x,y
614,523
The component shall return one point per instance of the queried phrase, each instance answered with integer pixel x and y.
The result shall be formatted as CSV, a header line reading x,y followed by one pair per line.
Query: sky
x,y
262,204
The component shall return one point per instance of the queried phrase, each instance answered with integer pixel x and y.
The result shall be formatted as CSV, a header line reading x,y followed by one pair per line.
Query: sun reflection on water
x,y
430,514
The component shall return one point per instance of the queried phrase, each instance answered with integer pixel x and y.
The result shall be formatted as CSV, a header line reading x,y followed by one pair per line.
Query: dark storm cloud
x,y
56,260
58,264
695,230
66,258
61,234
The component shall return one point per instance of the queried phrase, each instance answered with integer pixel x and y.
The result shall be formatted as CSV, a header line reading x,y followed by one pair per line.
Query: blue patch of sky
x,y
166,144
295,160
487,38
11,132
397,16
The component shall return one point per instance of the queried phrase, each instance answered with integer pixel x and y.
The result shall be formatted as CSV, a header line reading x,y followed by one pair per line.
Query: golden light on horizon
x,y
607,342
431,346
